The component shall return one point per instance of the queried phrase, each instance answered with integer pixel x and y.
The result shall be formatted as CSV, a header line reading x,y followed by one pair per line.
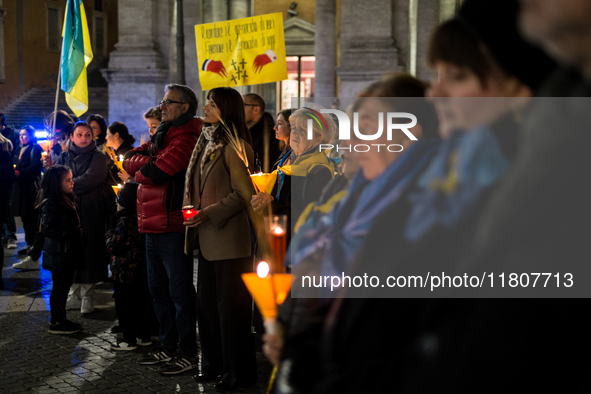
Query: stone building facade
x,y
30,42
351,44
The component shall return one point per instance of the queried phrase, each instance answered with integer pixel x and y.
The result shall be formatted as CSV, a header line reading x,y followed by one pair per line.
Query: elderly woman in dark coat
x,y
27,157
89,168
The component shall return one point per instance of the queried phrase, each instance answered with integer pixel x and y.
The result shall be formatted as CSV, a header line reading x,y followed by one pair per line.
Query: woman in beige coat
x,y
219,187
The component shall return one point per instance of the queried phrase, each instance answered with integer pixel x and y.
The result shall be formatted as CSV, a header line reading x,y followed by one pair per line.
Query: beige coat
x,y
224,194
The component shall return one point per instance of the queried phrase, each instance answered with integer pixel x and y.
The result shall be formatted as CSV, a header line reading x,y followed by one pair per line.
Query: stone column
x,y
136,73
428,20
367,46
192,18
325,49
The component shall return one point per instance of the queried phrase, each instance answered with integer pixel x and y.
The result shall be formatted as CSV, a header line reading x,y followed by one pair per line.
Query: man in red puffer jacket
x,y
159,166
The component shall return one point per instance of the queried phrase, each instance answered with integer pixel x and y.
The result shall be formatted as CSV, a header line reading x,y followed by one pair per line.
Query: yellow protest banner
x,y
241,52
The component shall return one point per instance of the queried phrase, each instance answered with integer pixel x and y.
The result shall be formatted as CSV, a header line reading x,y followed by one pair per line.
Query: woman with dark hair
x,y
119,139
282,133
89,168
98,124
63,247
218,185
28,173
119,142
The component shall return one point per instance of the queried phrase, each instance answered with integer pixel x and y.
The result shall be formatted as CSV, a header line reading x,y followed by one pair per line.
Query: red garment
x,y
159,203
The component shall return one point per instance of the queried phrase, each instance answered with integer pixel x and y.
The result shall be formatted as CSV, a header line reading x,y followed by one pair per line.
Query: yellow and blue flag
x,y
76,56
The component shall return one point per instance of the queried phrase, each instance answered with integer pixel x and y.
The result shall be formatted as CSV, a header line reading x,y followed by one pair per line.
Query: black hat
x,y
495,24
127,196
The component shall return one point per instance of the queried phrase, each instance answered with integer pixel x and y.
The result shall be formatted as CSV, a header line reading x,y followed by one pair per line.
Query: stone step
x,y
38,102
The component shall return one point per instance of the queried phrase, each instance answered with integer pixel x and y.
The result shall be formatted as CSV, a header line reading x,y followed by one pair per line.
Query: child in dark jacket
x,y
63,248
128,267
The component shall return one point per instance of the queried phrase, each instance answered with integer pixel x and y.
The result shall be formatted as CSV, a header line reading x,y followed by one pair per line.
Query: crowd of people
x,y
492,180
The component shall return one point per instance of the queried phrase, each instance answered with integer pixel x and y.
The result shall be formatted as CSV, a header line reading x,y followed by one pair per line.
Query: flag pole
x,y
57,92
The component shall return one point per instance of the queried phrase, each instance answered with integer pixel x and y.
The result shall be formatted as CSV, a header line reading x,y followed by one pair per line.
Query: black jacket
x,y
89,171
7,178
64,243
29,166
12,135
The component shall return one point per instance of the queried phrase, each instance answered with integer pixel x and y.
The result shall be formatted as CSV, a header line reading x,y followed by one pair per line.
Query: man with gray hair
x,y
159,166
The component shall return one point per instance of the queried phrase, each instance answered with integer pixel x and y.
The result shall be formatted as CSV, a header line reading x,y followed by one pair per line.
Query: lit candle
x,y
278,240
117,188
263,269
43,155
189,211
119,163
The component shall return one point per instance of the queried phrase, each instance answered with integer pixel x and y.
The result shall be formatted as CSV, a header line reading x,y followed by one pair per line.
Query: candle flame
x,y
119,185
120,157
262,269
278,230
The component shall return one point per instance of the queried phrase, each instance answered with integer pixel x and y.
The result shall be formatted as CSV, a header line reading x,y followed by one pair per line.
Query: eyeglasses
x,y
168,102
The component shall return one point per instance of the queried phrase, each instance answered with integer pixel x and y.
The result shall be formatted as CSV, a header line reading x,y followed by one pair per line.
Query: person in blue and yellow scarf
x,y
301,176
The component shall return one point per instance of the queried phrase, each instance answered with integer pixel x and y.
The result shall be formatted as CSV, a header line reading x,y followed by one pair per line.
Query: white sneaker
x,y
144,342
73,303
11,244
123,346
27,264
87,305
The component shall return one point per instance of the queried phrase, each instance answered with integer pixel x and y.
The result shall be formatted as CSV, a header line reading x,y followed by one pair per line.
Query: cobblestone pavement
x,y
33,360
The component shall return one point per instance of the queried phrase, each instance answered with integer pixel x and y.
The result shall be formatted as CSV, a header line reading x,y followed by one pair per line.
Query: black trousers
x,y
62,281
35,252
224,308
131,302
30,225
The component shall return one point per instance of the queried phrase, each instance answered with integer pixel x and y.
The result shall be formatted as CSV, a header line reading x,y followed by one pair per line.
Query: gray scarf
x,y
76,150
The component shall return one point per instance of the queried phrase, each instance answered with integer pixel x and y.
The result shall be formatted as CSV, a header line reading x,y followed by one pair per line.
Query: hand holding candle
x,y
194,217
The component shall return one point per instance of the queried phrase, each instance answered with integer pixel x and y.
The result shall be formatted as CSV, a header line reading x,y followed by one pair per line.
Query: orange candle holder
x,y
262,180
268,290
45,145
117,188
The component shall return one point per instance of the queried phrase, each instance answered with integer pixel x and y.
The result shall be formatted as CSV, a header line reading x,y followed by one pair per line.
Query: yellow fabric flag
x,y
76,56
